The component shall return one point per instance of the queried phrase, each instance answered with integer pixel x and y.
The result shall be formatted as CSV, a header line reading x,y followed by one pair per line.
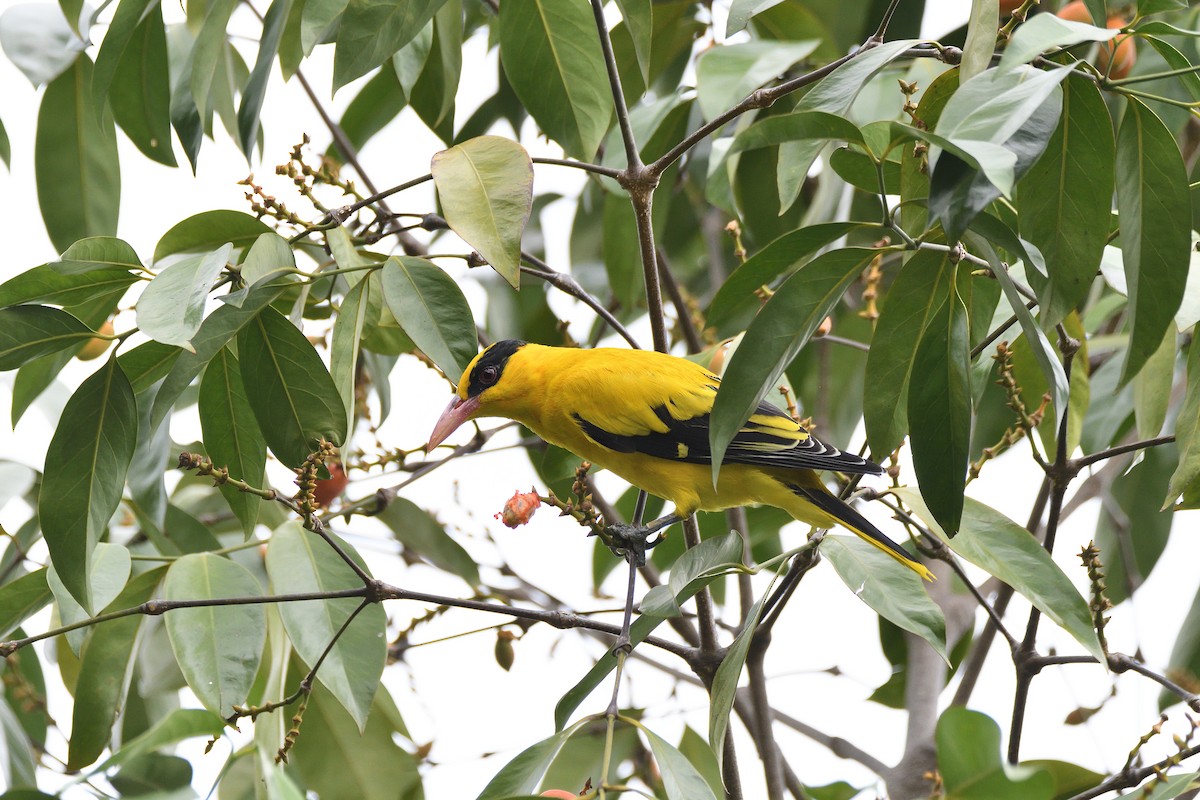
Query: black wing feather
x,y
687,440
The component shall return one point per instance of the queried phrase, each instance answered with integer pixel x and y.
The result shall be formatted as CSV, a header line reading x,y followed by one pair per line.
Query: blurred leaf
x,y
110,572
783,326
5,146
939,411
348,329
862,171
217,647
895,593
419,532
522,775
637,16
171,307
152,772
29,332
1152,198
981,42
180,725
972,768
104,674
291,392
740,12
122,30
20,768
42,41
299,561
75,161
1045,32
370,31
1166,789
1152,387
1069,779
377,103
912,302
1183,667
209,230
433,312
339,758
552,58
1186,441
207,54
725,74
1001,547
1132,532
432,95
485,186
1066,199
86,462
622,252
140,92
21,598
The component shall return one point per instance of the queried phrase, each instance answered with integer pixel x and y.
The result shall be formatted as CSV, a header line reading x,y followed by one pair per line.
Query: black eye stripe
x,y
490,366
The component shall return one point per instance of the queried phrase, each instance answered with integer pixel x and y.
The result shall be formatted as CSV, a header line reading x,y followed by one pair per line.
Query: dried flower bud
x,y
519,508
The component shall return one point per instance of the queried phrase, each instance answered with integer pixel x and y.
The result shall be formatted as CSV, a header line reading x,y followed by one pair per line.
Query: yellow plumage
x,y
644,416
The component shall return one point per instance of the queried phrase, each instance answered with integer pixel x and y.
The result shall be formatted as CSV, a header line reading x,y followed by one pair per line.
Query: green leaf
x,y
912,302
735,303
419,532
171,308
692,571
218,647
1185,653
104,674
433,312
5,146
151,773
269,258
86,462
255,90
725,683
291,392
1066,198
22,598
638,17
49,285
121,32
1152,388
776,335
97,252
208,52
110,572
232,437
1186,440
740,12
898,595
338,758
1167,789
432,95
378,103
485,186
1132,533
552,58
939,411
209,230
299,561
1045,32
1001,547
317,22
680,779
371,31
29,332
1155,215
348,327
981,39
140,92
181,724
725,74
972,768
75,161
522,775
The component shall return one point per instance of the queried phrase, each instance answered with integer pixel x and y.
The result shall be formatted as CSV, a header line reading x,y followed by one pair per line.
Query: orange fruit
x,y
329,489
1007,7
95,347
562,794
1120,52
1075,11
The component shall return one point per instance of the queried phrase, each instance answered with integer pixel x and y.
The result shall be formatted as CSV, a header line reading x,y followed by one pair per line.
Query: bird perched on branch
x,y
645,416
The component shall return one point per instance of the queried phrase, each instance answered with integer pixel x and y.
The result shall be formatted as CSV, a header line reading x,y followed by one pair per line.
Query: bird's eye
x,y
489,375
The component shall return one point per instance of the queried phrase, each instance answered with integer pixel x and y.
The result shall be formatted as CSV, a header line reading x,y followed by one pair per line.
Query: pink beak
x,y
458,412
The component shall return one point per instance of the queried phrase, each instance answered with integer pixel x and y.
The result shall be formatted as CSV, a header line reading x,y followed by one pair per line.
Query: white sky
x,y
476,708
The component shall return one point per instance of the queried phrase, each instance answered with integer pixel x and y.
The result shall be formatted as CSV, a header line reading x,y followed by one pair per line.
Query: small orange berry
x,y
329,489
95,347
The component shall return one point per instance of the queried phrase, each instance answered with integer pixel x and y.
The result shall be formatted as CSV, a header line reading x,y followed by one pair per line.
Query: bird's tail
x,y
857,523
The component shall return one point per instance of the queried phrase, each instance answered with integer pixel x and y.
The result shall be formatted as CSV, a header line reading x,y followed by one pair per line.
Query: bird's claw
x,y
632,541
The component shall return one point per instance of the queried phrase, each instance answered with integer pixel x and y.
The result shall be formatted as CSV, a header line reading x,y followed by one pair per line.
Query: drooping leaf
x,y
909,306
299,561
86,462
522,775
140,92
1001,547
171,308
552,58
432,95
1152,198
638,19
348,330
725,74
75,160
432,310
485,186
783,326
255,90
372,30
892,591
232,437
29,332
121,32
939,411
418,531
218,647
104,674
291,392
680,779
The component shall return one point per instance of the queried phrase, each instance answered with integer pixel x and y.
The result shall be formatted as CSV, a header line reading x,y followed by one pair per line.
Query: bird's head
x,y
481,391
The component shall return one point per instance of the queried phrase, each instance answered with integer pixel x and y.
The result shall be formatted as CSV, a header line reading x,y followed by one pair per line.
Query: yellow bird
x,y
645,416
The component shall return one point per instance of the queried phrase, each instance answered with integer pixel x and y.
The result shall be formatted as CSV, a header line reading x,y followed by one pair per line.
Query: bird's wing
x,y
668,416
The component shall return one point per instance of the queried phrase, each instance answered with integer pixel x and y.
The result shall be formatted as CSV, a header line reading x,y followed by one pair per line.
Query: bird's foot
x,y
632,541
